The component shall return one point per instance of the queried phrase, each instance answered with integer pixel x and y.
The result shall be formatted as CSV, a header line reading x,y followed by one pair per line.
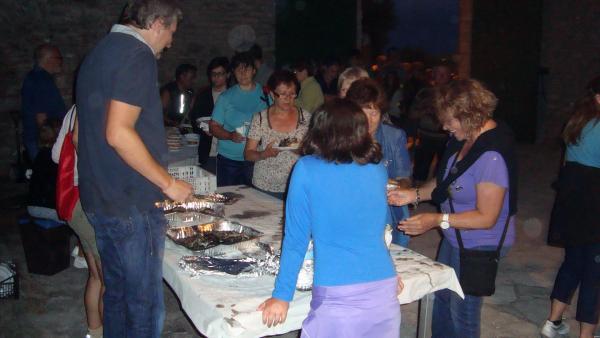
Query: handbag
x,y
67,193
478,268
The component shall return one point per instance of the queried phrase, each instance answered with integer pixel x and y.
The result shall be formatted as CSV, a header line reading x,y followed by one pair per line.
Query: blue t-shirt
x,y
234,109
491,168
344,208
119,68
39,94
587,150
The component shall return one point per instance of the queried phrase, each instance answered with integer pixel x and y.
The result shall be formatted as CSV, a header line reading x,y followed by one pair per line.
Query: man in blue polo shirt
x,y
122,164
40,98
231,122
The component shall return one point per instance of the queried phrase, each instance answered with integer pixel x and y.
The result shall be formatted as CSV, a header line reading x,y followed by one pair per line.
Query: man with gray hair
x,y
40,98
122,164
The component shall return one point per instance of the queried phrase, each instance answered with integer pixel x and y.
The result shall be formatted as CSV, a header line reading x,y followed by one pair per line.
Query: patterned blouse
x,y
271,174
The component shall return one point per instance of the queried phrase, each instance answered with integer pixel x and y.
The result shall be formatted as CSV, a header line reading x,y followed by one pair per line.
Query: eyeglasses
x,y
218,74
287,95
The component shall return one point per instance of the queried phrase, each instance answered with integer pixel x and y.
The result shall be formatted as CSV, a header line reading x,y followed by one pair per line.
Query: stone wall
x,y
570,52
76,25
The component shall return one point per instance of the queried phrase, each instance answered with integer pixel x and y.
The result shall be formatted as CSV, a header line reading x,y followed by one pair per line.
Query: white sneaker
x,y
550,330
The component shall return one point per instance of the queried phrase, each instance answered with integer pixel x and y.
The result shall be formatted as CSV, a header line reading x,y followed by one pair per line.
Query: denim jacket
x,y
397,162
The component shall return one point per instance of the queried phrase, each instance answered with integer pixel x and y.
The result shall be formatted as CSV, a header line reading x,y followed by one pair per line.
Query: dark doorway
x,y
314,29
505,54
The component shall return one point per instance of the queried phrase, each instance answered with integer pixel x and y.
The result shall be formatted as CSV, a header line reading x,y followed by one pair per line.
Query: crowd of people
x,y
366,142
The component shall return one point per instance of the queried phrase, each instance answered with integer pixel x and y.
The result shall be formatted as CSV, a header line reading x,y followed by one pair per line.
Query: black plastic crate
x,y
46,250
9,287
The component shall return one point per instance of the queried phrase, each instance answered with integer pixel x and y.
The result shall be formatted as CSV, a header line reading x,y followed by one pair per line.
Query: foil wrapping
x,y
259,260
186,219
227,198
196,205
216,238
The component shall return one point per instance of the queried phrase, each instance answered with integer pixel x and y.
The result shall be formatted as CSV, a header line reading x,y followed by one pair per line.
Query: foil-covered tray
x,y
227,198
196,205
215,238
253,261
186,219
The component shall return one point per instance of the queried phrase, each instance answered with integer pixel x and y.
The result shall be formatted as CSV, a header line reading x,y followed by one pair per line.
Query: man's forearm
x,y
128,144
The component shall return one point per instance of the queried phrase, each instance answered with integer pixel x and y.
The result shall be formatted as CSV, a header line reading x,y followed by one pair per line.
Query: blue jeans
x,y
232,172
581,267
131,249
453,316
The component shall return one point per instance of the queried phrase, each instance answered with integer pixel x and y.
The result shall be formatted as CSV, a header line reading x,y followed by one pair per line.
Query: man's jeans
x,y
131,250
452,316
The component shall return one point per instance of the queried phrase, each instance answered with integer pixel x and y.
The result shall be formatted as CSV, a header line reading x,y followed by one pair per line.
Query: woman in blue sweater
x,y
337,196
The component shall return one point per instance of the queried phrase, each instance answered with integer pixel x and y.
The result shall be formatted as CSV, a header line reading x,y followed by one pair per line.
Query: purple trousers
x,y
357,310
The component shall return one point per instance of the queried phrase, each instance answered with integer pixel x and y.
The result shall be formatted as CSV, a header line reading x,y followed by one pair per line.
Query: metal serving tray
x,y
216,238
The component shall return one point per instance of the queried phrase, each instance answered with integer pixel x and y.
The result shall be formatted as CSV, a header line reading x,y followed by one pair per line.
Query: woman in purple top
x,y
478,176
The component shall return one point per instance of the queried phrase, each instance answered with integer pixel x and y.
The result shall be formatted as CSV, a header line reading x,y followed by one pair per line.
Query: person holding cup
x,y
232,114
283,122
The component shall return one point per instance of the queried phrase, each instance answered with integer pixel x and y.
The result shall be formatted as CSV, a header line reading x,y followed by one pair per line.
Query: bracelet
x,y
418,199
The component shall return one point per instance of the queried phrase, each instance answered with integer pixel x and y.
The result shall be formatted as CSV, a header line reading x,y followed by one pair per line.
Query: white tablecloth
x,y
222,306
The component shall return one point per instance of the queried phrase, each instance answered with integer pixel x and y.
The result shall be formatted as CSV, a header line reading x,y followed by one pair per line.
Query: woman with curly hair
x,y
476,191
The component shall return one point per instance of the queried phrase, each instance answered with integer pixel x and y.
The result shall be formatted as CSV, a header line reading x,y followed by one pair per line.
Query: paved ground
x,y
52,306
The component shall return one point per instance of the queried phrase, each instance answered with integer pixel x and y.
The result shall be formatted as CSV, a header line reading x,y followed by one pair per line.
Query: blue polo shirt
x,y
234,108
39,94
120,68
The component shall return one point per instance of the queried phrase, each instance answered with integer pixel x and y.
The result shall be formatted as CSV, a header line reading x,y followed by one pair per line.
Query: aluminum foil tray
x,y
186,219
227,198
256,260
202,206
216,238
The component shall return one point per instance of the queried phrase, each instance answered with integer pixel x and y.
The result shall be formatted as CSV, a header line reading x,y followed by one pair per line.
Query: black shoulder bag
x,y
478,268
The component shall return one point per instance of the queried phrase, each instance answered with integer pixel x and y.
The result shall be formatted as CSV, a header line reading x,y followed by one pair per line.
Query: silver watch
x,y
445,224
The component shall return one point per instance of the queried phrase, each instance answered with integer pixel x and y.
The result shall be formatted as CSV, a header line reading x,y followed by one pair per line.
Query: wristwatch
x,y
445,224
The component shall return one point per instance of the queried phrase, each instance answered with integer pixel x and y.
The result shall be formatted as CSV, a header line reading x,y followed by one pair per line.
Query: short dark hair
x,y
244,58
366,92
339,133
331,60
301,65
184,68
219,61
142,13
283,76
256,52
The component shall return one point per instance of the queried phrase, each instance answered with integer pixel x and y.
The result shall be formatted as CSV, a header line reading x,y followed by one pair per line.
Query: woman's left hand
x,y
274,311
420,223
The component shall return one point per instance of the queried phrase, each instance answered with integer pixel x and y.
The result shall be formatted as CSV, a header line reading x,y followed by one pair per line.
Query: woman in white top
x,y
275,134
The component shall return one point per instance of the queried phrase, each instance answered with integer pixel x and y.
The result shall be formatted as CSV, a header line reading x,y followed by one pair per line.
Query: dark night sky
x,y
431,25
